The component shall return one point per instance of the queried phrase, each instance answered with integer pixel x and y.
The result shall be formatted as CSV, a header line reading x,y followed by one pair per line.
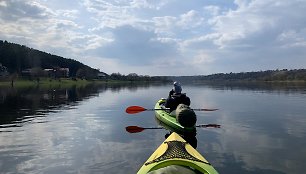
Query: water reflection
x,y
81,129
283,87
19,106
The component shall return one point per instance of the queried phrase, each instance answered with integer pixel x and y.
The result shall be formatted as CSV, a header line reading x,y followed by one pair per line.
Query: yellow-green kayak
x,y
177,156
170,120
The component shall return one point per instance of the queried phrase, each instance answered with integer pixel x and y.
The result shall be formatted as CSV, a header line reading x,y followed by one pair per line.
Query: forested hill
x,y
17,58
269,75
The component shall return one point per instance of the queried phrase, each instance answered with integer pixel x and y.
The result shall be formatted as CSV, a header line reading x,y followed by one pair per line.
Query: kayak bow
x,y
175,155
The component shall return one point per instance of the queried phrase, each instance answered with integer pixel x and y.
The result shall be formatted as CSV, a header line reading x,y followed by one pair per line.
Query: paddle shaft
x,y
191,109
136,129
137,109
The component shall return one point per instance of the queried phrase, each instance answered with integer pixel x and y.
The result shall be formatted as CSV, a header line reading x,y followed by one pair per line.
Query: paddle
x,y
137,109
136,129
209,125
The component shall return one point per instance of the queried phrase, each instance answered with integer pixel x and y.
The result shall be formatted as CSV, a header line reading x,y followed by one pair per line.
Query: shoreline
x,y
63,82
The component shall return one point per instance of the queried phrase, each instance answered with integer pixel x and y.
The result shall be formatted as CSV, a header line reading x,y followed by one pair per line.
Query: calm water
x,y
82,130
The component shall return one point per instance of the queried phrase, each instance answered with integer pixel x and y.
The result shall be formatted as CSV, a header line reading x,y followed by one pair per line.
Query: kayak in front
x,y
170,120
177,156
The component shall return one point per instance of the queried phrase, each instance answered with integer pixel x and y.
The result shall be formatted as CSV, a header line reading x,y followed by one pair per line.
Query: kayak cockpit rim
x,y
184,163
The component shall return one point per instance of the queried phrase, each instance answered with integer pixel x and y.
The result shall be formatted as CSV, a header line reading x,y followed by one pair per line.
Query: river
x,y
82,130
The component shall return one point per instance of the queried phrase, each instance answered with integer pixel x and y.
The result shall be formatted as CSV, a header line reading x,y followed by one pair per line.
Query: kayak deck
x,y
175,152
170,121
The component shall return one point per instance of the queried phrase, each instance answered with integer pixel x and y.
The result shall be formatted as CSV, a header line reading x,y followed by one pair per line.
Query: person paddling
x,y
176,97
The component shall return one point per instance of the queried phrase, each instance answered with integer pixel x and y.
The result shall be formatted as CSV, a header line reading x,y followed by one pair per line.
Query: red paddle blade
x,y
134,109
134,129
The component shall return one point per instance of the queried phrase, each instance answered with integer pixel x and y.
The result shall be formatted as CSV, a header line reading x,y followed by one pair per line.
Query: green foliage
x,y
136,77
269,75
19,57
16,58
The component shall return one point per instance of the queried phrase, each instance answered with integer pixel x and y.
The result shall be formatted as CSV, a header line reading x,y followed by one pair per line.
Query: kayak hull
x,y
175,151
169,121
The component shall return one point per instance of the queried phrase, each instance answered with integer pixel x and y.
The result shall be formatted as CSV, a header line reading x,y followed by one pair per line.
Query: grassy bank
x,y
62,82
44,82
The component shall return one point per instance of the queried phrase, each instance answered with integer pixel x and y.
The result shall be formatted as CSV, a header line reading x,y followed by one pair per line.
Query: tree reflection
x,y
21,105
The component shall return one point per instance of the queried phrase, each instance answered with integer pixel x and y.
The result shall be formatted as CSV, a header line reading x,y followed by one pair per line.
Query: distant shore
x,y
48,82
42,82
63,82
251,81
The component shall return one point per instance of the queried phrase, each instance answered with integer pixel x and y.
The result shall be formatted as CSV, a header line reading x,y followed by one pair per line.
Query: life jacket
x,y
181,99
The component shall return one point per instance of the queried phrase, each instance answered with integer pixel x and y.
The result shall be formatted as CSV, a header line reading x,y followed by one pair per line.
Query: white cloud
x,y
212,10
3,3
190,20
201,58
15,9
253,17
242,3
248,35
138,47
70,14
164,25
292,38
113,14
167,40
155,4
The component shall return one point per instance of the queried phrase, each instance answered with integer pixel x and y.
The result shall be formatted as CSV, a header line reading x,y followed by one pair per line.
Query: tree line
x,y
136,77
269,75
15,59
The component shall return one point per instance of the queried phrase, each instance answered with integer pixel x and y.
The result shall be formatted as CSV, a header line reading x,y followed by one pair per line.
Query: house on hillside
x,y
62,72
26,73
102,75
57,72
50,72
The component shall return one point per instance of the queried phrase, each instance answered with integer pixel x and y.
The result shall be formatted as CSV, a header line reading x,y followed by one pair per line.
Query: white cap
x,y
177,87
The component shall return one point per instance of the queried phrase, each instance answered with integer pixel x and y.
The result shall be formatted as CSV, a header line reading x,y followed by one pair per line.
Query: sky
x,y
163,37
